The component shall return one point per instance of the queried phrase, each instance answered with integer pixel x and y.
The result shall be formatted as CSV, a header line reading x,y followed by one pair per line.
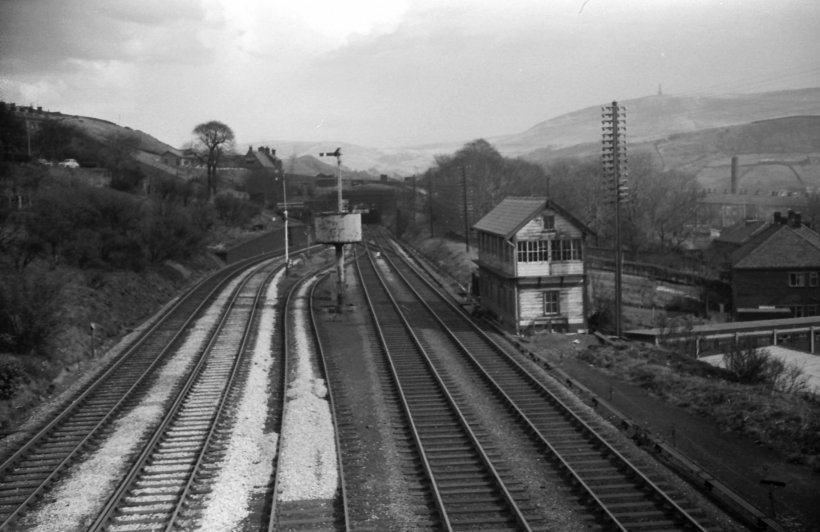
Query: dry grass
x,y
786,422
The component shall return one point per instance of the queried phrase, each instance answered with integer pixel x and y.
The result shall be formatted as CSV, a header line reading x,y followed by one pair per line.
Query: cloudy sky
x,y
387,73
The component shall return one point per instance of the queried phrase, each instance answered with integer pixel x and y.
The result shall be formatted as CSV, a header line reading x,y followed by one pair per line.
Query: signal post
x,y
338,228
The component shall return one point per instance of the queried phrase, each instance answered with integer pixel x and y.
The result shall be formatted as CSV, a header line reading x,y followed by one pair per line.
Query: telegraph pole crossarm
x,y
615,173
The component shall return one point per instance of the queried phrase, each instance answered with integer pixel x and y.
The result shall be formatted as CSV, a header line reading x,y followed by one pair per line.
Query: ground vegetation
x,y
75,252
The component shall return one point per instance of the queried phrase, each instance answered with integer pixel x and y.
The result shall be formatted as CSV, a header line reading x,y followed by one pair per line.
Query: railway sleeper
x,y
454,451
172,454
170,489
142,506
603,479
448,482
35,467
158,471
134,522
12,486
455,461
10,503
482,521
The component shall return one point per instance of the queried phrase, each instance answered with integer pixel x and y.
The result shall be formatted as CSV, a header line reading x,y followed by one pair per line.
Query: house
x,y
264,180
263,158
531,270
730,239
776,272
182,158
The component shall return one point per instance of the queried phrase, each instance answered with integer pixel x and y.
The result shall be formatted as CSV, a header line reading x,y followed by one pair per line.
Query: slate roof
x,y
262,158
509,215
506,218
742,231
779,246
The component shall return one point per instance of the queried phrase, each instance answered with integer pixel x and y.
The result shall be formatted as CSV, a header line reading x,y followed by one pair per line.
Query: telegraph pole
x,y
614,163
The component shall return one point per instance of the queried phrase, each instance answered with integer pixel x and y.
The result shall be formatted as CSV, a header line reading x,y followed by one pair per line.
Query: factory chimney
x,y
734,175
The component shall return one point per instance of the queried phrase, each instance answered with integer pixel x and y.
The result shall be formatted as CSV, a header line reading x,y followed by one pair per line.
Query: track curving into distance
x,y
165,485
27,472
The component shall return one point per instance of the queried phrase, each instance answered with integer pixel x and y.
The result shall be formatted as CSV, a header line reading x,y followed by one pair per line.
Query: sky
x,y
389,73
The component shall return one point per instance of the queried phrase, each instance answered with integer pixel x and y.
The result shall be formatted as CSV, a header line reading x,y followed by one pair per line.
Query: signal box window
x,y
549,222
551,302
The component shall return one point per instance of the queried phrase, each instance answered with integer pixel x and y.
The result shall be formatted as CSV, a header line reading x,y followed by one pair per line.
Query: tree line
x,y
143,218
660,213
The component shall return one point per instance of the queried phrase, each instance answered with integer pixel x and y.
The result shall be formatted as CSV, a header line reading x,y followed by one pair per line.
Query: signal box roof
x,y
506,218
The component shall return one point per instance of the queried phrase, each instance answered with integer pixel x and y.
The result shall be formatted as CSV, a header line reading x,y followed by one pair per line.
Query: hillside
x,y
649,119
104,131
654,117
779,154
680,130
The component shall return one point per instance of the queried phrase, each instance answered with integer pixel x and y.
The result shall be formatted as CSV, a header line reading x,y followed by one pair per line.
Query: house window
x,y
552,302
548,221
797,279
812,278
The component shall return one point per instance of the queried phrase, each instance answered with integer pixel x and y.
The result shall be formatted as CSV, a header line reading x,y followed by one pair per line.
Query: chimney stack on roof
x,y
792,219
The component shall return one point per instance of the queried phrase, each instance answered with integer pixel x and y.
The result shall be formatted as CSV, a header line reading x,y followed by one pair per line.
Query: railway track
x,y
468,480
87,416
165,486
615,490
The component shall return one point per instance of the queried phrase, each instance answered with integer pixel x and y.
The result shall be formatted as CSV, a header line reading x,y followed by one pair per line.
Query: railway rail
x,y
27,472
613,488
470,485
163,488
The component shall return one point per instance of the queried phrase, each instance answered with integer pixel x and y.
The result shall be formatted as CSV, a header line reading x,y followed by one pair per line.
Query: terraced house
x,y
531,271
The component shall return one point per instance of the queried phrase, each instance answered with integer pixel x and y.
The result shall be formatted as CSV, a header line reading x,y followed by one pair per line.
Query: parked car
x,y
69,163
45,162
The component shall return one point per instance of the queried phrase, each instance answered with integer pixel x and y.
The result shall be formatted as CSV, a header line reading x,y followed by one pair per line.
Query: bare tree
x,y
214,139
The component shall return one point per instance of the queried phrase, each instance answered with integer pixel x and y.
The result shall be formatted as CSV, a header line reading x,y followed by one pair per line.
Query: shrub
x,y
752,365
127,179
749,364
12,376
234,210
28,313
170,233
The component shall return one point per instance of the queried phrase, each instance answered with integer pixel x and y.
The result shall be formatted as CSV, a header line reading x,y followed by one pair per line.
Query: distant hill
x,y
694,133
366,161
655,117
778,154
648,119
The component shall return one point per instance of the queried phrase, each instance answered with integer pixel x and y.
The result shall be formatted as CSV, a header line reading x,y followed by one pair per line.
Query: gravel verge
x,y
248,463
307,458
